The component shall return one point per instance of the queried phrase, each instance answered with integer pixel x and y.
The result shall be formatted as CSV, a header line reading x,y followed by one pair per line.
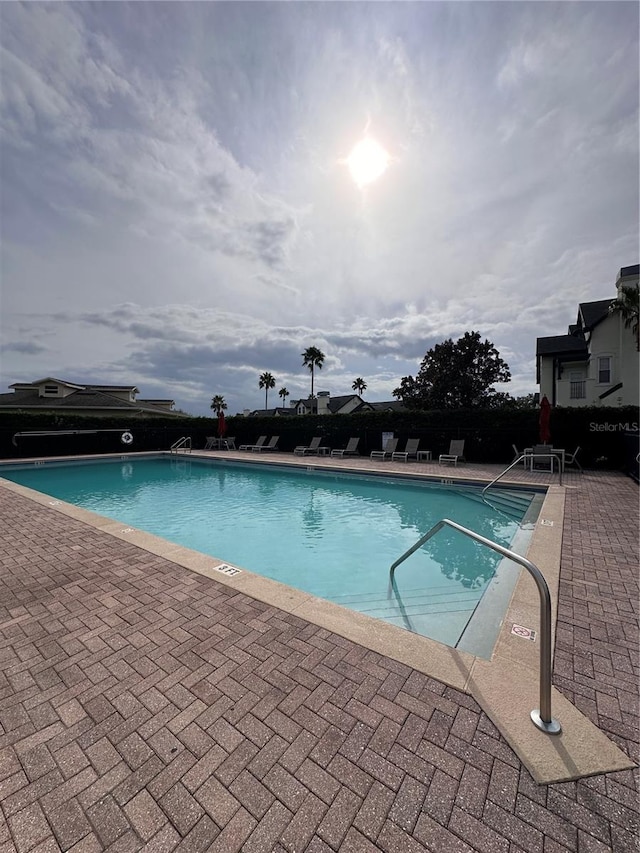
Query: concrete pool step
x,y
443,612
410,603
514,504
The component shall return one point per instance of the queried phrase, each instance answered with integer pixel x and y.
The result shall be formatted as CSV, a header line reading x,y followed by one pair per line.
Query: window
x,y
604,370
51,390
577,385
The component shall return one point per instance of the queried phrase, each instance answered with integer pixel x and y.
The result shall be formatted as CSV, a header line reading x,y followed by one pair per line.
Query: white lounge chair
x,y
456,451
388,450
350,450
572,459
312,447
517,454
258,443
273,445
410,451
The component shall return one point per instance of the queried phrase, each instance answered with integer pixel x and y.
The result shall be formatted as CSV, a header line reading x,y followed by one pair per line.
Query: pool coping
x,y
580,750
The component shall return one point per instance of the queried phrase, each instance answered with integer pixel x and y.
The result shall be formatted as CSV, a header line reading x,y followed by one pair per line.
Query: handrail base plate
x,y
551,728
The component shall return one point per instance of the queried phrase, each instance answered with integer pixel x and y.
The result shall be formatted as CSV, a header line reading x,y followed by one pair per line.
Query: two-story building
x,y
50,395
596,362
325,404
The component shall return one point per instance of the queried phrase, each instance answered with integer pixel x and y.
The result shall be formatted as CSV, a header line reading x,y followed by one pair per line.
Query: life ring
x,y
126,438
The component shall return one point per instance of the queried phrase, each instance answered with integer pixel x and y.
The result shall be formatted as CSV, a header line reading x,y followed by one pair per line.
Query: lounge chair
x,y
517,454
258,443
410,451
571,459
456,451
273,445
387,452
312,447
350,450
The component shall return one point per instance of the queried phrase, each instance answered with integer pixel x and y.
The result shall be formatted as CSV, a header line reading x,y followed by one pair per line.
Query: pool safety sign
x,y
227,570
525,633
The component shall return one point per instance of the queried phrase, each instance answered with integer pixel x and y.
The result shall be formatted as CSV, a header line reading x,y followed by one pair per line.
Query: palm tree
x,y
266,381
359,385
284,394
626,305
218,404
312,357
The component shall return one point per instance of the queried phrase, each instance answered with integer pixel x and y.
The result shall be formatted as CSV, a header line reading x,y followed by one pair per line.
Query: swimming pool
x,y
331,534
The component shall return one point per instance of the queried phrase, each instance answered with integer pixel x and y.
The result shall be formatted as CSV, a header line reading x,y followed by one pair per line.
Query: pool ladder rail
x,y
541,717
523,458
182,444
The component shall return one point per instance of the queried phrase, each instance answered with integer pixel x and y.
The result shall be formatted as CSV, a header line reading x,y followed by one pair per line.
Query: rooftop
x,y
561,344
593,313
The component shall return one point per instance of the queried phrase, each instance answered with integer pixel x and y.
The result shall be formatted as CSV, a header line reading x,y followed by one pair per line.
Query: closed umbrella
x,y
544,420
222,426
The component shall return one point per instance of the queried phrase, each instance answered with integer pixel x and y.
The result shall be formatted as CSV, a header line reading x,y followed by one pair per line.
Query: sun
x,y
367,161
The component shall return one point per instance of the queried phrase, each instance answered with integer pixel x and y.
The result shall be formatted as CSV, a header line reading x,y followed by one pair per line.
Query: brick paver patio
x,y
143,706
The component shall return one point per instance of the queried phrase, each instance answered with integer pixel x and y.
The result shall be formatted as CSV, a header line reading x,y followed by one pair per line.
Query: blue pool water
x,y
334,535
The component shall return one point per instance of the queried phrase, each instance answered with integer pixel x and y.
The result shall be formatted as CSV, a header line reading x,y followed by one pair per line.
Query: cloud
x,y
23,348
140,149
177,213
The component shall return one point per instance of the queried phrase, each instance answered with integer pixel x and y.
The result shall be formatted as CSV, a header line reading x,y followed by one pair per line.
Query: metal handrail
x,y
541,717
524,457
183,443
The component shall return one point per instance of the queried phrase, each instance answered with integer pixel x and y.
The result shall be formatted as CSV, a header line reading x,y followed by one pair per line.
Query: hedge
x,y
489,435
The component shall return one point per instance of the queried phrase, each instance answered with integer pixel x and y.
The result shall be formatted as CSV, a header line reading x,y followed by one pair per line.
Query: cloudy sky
x,y
178,212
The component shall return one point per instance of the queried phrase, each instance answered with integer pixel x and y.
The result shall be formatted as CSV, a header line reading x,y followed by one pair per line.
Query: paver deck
x,y
143,706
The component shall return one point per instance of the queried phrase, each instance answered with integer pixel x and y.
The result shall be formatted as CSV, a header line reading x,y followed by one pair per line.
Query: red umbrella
x,y
222,427
544,421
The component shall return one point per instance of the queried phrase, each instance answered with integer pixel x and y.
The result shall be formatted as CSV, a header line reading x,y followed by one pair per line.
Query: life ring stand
x,y
126,438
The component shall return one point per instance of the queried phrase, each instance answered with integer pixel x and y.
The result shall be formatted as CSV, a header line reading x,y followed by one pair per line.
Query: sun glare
x,y
367,161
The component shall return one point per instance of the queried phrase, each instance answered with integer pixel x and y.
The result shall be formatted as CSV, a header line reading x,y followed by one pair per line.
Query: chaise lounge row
x,y
390,451
260,444
315,448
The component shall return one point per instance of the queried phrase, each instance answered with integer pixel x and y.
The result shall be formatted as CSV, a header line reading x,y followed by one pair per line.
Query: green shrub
x,y
488,434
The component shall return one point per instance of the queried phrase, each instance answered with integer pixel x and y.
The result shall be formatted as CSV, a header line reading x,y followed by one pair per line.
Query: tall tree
x,y
218,404
359,385
312,357
626,304
456,375
266,381
284,394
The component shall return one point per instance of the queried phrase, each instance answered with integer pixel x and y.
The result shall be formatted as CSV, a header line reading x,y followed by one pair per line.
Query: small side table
x,y
424,456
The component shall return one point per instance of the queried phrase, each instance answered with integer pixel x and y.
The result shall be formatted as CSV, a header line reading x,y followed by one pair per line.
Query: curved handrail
x,y
541,718
524,457
183,443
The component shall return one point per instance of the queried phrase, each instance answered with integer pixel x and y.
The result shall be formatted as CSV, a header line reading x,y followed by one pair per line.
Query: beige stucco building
x,y
596,363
